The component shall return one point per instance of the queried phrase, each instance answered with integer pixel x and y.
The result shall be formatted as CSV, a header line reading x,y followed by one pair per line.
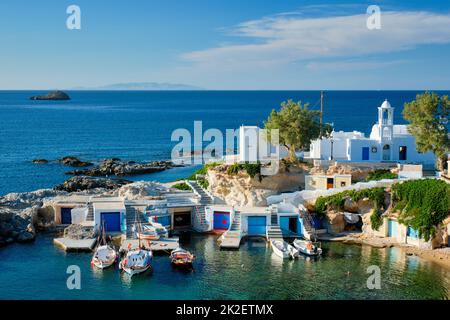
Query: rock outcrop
x,y
80,183
242,190
53,95
74,162
358,172
139,190
117,167
40,161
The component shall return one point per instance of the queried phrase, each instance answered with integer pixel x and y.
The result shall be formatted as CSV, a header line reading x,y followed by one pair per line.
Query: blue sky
x,y
226,44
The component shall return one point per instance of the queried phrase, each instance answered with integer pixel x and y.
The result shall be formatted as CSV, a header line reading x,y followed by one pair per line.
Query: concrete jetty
x,y
73,245
161,245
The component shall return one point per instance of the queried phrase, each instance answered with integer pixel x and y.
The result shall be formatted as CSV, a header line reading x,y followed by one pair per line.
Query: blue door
x,y
365,153
221,220
111,221
66,215
392,228
164,220
413,233
257,226
284,223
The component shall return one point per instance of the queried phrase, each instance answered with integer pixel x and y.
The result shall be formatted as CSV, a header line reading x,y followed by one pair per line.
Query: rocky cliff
x,y
243,190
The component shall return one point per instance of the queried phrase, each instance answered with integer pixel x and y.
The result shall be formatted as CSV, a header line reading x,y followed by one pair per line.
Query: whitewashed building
x,y
388,142
253,147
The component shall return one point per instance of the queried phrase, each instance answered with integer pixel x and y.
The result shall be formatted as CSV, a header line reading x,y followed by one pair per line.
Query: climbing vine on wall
x,y
423,204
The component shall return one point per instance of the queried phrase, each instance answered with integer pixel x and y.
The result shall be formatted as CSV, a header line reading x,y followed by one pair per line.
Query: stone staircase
x,y
131,213
201,224
232,238
205,198
310,231
236,224
274,231
90,216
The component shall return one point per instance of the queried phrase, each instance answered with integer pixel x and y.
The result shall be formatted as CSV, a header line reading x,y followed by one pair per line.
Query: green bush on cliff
x,y
381,174
376,220
423,204
182,186
252,169
337,201
203,170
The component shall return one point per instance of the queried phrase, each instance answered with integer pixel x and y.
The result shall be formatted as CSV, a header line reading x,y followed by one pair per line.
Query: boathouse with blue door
x,y
256,226
392,228
66,215
111,214
221,220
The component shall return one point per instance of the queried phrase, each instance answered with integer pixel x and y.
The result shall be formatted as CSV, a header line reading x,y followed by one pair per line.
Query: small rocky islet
x,y
53,95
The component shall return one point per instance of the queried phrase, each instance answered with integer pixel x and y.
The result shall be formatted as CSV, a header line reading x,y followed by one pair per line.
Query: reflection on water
x,y
253,272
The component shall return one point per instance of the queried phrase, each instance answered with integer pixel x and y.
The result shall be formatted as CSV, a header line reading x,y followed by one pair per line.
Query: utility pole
x,y
321,113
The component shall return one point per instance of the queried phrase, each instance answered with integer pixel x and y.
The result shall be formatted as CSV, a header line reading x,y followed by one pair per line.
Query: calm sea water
x,y
138,125
253,272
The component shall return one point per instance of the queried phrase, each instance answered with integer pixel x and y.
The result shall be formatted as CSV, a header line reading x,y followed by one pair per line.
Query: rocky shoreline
x,y
111,167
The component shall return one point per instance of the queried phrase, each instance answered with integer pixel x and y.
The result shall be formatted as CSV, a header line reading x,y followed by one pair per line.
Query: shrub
x,y
337,201
203,170
252,169
376,219
182,186
424,204
381,174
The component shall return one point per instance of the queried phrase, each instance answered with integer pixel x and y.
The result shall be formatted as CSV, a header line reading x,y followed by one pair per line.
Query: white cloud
x,y
287,39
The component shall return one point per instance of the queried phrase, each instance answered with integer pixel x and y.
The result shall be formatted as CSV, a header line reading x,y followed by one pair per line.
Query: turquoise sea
x,y
38,271
138,126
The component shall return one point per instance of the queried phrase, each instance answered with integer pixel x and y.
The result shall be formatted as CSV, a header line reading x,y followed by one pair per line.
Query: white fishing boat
x,y
284,249
136,261
307,247
105,255
147,232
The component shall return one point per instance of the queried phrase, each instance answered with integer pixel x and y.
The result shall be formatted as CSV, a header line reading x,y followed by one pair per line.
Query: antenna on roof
x,y
321,112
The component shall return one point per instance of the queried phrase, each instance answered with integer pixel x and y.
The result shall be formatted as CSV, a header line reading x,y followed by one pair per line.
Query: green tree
x,y
428,118
297,126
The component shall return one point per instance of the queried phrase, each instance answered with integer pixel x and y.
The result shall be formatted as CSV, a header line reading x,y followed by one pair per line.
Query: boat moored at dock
x,y
181,258
307,247
137,261
283,249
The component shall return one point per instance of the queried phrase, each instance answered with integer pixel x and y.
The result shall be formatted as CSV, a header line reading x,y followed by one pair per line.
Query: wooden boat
x,y
147,232
181,258
283,249
136,261
105,255
307,247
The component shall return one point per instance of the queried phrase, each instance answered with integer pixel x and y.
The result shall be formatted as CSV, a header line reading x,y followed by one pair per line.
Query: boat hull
x,y
302,247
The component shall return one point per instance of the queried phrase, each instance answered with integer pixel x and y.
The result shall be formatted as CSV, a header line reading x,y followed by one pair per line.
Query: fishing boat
x,y
147,232
181,258
105,255
283,249
307,247
137,261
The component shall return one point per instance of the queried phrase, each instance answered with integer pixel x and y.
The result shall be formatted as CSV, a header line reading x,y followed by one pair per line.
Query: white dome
x,y
386,104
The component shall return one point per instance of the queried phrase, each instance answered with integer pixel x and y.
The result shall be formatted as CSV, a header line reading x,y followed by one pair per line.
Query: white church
x,y
387,143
